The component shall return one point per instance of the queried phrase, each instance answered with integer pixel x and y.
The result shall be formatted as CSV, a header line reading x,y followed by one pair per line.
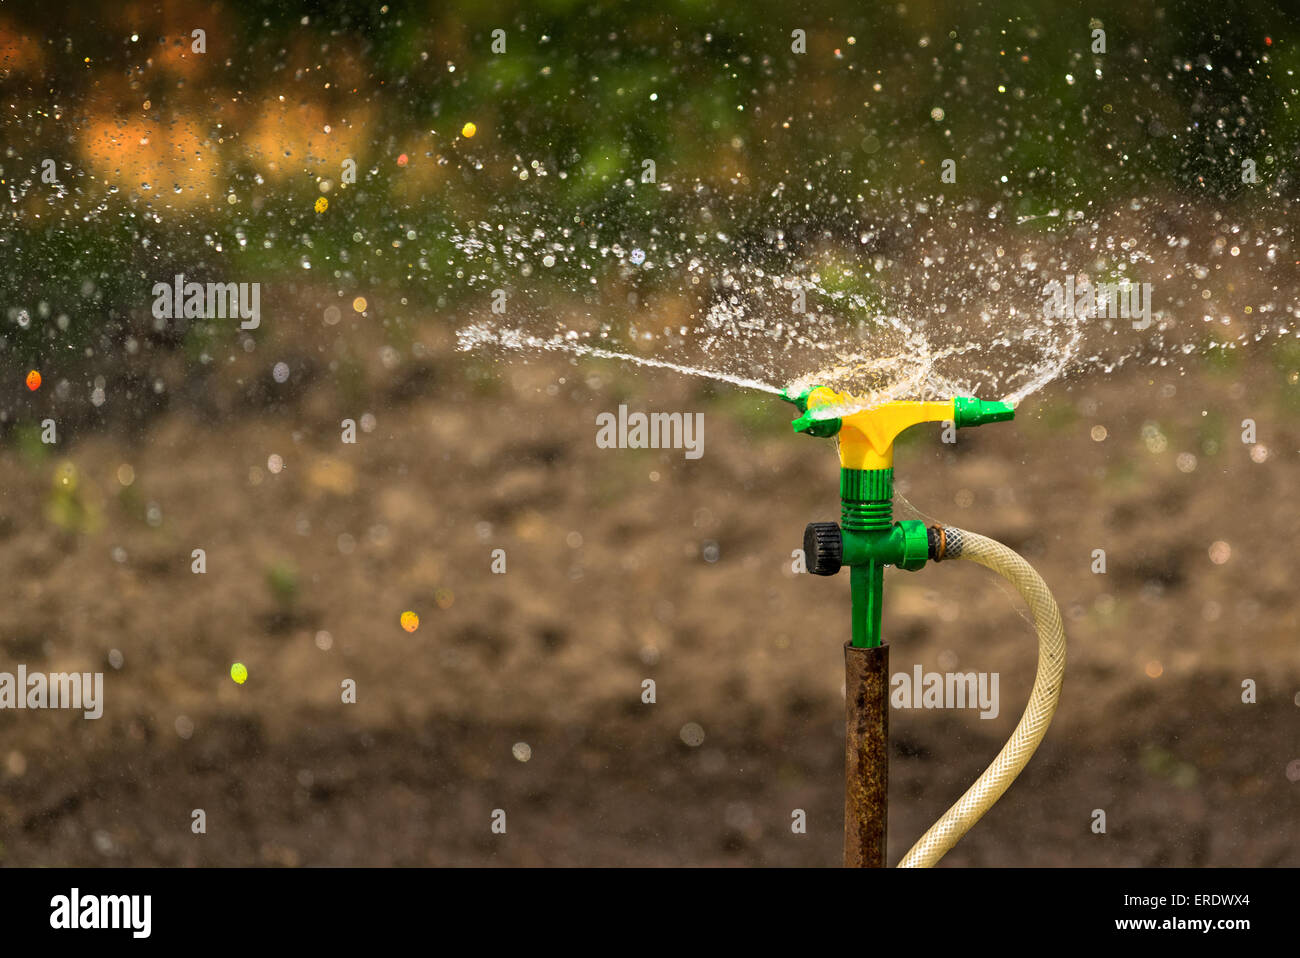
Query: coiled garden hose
x,y
950,543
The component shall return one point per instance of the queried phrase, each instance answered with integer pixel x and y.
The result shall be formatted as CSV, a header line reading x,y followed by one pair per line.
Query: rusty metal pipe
x,y
866,755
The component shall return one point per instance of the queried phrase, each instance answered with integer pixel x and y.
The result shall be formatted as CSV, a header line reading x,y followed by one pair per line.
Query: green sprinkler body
x,y
867,538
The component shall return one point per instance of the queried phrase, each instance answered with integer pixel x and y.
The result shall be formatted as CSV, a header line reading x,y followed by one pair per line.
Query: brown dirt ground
x,y
607,585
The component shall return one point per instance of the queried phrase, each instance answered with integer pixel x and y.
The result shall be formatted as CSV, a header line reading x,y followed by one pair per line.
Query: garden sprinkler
x,y
867,539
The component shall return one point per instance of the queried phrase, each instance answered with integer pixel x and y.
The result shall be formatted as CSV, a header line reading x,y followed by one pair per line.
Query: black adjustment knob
x,y
823,548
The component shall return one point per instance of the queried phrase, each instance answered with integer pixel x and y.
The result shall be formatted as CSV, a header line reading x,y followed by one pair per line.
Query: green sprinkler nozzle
x,y
977,412
867,539
821,428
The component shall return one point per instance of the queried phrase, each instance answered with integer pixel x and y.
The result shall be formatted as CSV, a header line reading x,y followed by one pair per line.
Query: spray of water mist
x,y
956,310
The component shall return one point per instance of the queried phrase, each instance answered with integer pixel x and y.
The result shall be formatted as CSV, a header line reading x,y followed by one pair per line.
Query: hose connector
x,y
944,543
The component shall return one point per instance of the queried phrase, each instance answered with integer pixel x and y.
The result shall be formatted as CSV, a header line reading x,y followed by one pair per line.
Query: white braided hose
x,y
1029,731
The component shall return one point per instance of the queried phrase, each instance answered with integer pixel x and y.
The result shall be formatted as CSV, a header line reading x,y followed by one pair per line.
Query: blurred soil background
x,y
625,565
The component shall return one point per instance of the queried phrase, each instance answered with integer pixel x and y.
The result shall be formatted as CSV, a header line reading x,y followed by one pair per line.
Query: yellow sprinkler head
x,y
867,437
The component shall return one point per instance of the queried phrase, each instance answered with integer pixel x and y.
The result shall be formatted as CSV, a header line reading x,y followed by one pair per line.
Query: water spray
x,y
866,539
